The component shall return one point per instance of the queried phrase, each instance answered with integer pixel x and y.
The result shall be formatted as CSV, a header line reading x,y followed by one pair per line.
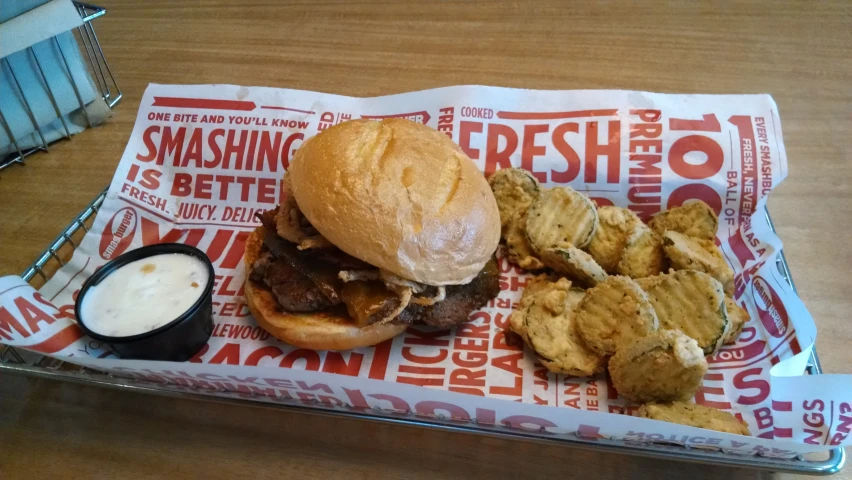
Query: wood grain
x,y
799,52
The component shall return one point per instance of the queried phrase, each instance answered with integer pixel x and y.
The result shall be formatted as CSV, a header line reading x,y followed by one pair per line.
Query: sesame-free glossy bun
x,y
400,196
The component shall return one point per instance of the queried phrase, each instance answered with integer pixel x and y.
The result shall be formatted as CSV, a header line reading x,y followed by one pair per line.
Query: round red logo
x,y
771,311
118,233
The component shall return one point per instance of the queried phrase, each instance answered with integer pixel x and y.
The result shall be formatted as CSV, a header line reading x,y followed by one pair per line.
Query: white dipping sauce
x,y
144,295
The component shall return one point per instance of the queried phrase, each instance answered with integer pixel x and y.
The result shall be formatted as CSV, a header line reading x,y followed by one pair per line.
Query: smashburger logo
x,y
118,233
769,307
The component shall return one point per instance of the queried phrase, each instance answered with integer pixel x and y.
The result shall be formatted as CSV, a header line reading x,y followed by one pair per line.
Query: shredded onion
x,y
353,275
391,280
426,301
404,299
291,225
316,241
404,289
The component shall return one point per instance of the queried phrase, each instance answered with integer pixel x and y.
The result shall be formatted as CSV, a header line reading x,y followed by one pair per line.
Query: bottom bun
x,y
326,330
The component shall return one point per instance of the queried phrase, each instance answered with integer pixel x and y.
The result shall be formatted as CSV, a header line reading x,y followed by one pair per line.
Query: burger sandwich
x,y
382,224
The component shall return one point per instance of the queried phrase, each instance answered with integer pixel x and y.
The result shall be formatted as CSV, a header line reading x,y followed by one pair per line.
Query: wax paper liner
x,y
203,159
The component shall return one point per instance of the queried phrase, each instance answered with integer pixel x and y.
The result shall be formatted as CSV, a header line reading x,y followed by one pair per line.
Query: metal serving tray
x,y
18,361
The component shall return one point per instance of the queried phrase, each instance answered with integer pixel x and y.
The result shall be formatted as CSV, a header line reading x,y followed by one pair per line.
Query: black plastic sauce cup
x,y
175,341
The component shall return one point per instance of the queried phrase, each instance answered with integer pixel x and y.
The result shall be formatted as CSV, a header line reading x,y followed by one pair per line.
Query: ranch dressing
x,y
144,295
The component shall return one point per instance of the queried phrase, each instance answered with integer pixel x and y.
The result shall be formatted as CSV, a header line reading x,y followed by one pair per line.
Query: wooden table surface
x,y
799,52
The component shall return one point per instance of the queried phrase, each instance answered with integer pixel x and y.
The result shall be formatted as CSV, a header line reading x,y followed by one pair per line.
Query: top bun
x,y
400,196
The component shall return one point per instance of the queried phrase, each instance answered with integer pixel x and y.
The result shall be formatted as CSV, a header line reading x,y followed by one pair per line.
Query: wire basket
x,y
28,363
97,66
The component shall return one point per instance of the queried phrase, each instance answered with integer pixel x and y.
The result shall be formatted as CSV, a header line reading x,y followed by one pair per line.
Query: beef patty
x,y
294,291
460,302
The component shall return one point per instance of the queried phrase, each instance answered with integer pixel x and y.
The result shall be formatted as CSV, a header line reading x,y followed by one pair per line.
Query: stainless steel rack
x,y
98,68
22,362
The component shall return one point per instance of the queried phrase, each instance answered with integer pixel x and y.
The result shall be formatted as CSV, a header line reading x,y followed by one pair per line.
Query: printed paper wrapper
x,y
203,159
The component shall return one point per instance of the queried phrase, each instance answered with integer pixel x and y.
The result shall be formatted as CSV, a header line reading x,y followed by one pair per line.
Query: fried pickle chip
x,y
660,367
647,283
561,216
550,326
575,264
689,253
516,323
615,224
695,219
694,303
643,255
540,284
737,317
514,189
518,249
615,312
694,415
